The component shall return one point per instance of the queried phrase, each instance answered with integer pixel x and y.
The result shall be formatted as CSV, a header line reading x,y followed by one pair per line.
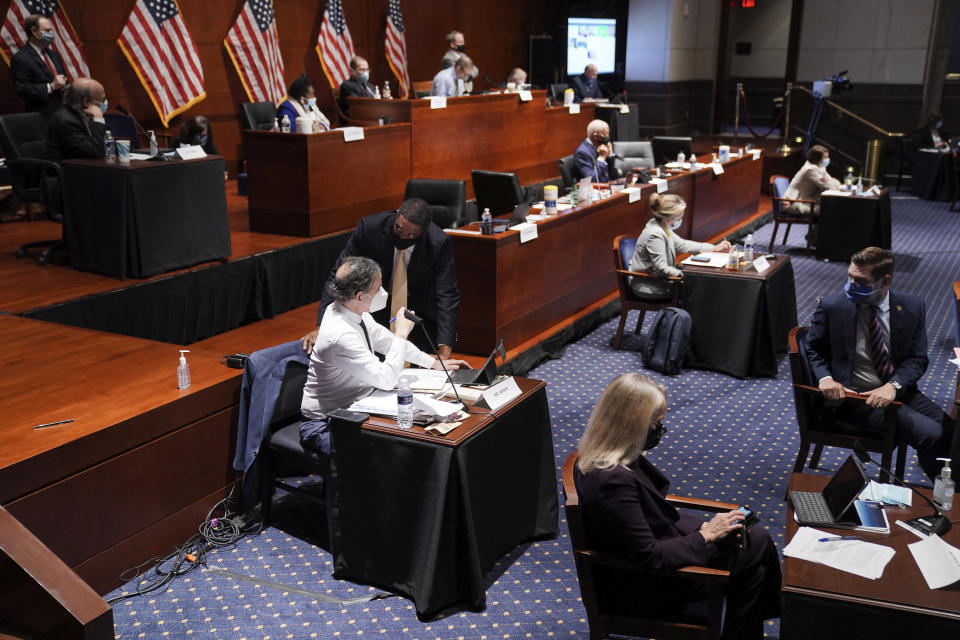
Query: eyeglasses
x,y
662,428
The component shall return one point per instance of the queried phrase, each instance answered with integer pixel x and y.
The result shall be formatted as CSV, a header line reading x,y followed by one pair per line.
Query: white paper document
x,y
836,192
938,561
716,259
139,156
858,557
384,403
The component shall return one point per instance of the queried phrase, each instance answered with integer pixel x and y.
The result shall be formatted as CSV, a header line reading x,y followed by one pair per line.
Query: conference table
x,y
426,516
146,217
518,290
850,223
820,602
741,319
933,175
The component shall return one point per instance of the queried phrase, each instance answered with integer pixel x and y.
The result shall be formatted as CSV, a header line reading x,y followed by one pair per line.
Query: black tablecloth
x,y
428,520
933,176
740,325
623,126
147,218
848,224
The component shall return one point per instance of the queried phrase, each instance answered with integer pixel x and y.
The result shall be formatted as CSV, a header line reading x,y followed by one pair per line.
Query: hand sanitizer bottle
x,y
183,371
386,90
404,403
486,223
154,147
376,92
943,487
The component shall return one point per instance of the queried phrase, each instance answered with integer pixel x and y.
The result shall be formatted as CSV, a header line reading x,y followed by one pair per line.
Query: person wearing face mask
x,y
659,244
357,85
301,101
810,181
344,366
625,511
586,88
590,158
197,132
38,73
416,259
931,134
451,81
77,128
871,340
456,46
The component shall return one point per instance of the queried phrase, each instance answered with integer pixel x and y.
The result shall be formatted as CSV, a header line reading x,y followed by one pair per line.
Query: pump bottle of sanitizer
x,y
183,371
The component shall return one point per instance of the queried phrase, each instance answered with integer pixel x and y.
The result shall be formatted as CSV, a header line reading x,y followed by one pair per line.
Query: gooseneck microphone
x,y
119,107
414,318
936,523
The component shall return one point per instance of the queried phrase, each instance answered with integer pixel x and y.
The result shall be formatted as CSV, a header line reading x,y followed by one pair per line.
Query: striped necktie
x,y
878,350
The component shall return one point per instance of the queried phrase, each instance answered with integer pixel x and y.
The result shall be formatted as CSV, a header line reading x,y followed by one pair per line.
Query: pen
x,y
837,539
51,424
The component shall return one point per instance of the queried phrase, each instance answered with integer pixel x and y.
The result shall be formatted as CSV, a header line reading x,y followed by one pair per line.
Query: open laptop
x,y
484,375
829,507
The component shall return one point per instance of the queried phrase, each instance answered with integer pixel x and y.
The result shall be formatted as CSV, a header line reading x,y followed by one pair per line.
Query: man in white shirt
x,y
450,81
343,365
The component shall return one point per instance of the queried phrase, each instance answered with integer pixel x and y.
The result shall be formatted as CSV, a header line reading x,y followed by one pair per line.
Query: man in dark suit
x,y
586,88
873,341
590,158
416,260
77,129
357,84
37,70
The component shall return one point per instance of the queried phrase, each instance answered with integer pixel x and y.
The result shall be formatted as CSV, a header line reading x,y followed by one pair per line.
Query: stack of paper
x,y
853,556
715,259
384,403
939,562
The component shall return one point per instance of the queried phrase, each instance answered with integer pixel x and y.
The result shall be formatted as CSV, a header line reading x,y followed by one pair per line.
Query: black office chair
x,y
567,172
496,190
556,91
634,155
447,200
123,127
666,148
258,115
35,180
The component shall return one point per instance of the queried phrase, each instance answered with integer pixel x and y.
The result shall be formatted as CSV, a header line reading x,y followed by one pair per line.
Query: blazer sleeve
x,y
584,162
914,365
690,246
448,294
621,501
818,343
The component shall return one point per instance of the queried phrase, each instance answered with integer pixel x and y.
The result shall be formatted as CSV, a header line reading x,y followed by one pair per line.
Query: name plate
x,y
756,153
351,134
525,95
633,194
717,168
661,184
528,231
193,152
574,108
761,264
500,394
438,102
624,109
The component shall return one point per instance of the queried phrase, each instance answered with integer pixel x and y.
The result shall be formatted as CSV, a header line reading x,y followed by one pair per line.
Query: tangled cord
x,y
214,533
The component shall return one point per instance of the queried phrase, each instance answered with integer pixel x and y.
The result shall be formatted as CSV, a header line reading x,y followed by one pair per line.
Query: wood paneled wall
x,y
496,34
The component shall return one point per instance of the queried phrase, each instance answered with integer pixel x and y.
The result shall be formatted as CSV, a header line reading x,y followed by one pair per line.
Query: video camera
x,y
833,84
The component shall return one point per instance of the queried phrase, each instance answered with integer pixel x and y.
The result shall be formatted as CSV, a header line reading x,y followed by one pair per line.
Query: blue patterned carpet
x,y
729,439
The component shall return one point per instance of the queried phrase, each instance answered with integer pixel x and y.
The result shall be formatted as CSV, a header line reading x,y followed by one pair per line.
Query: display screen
x,y
591,41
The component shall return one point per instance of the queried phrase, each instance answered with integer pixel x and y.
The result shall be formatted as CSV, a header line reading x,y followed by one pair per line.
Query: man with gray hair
x,y
343,365
357,85
590,159
456,45
586,88
77,128
451,82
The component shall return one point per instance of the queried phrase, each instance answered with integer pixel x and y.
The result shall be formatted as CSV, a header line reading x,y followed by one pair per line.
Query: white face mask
x,y
379,301
825,163
676,225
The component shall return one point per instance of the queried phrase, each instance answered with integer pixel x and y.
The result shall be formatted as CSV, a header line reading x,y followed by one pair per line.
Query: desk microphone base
x,y
935,523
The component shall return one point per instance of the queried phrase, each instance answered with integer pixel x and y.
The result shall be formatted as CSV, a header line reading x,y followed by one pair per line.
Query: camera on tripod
x,y
834,84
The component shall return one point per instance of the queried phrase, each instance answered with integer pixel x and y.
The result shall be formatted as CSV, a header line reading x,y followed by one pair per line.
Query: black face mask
x,y
654,434
606,140
403,243
461,48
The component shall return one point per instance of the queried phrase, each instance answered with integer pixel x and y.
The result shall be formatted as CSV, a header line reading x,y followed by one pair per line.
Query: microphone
x,y
937,523
415,319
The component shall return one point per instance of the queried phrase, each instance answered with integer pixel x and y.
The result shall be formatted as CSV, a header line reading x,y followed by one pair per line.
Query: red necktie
x,y
50,66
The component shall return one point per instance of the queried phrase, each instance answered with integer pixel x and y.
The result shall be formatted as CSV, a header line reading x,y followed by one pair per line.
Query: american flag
x,y
67,44
334,44
254,47
396,45
158,46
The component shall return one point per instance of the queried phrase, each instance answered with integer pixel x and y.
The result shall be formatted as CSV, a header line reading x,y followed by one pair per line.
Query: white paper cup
x,y
123,151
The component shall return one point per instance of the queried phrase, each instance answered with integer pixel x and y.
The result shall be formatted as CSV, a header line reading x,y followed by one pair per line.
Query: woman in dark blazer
x,y
623,497
197,131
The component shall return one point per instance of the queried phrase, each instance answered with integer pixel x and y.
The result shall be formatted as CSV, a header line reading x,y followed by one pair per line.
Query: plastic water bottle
x,y
486,223
575,194
733,259
285,124
376,92
693,161
109,148
386,90
681,157
276,125
183,371
748,249
154,147
404,403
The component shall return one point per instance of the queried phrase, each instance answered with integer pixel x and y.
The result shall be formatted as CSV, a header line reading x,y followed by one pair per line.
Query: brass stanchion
x,y
785,147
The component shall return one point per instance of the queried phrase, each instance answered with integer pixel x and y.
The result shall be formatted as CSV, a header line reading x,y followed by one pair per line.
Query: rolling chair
x,y
699,619
496,190
258,115
122,127
421,88
567,171
35,180
666,148
623,249
634,155
778,189
447,200
555,92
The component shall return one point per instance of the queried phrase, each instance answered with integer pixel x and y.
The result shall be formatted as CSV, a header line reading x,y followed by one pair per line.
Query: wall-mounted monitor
x,y
591,41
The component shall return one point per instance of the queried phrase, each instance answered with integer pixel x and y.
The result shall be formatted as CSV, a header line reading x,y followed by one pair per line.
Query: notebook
x,y
832,506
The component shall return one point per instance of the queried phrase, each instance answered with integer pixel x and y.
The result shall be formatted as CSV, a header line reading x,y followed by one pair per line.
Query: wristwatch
x,y
897,386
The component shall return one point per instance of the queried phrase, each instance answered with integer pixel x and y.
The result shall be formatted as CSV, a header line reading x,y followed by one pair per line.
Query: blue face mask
x,y
859,293
200,140
311,102
676,225
104,105
47,37
365,76
825,163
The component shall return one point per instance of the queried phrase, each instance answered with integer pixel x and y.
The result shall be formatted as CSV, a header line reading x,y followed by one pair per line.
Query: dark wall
x,y
496,34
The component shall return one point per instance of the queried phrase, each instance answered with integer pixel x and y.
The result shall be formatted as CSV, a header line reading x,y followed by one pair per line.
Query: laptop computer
x,y
484,375
830,506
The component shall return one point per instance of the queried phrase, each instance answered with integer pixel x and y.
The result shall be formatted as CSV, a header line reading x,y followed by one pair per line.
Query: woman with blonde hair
x,y
623,499
658,246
